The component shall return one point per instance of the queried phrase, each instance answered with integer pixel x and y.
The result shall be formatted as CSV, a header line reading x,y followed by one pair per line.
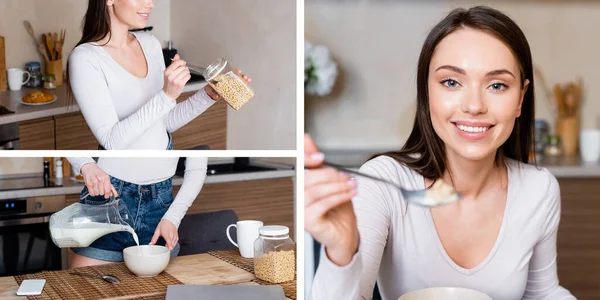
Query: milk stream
x,y
70,236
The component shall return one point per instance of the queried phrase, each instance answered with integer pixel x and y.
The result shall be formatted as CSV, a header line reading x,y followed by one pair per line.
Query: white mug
x,y
589,145
15,78
247,233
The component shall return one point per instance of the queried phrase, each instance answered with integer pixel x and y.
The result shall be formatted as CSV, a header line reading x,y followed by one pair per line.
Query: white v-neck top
x,y
400,247
124,111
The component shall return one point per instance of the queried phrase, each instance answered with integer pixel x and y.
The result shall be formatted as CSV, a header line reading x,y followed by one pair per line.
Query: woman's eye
x,y
450,83
498,86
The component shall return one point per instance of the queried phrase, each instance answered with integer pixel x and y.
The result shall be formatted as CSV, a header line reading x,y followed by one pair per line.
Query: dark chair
x,y
200,233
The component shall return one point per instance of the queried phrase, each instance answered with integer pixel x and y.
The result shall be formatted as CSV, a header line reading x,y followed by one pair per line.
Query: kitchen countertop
x,y
10,99
75,187
189,269
561,167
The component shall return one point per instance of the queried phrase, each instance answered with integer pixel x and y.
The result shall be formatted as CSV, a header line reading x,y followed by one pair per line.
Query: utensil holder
x,y
55,67
568,130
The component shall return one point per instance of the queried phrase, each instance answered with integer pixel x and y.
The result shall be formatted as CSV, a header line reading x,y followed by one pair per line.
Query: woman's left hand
x,y
214,95
168,231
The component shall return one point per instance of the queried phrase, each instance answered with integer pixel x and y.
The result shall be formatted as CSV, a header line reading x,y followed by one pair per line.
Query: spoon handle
x,y
325,163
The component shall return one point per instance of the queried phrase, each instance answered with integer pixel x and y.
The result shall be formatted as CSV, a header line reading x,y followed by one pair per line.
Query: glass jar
x,y
49,82
35,70
274,255
228,84
554,147
541,136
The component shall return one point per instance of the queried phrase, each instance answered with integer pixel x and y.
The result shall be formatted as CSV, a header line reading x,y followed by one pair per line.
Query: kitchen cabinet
x,y
579,237
210,128
37,134
267,200
73,133
70,131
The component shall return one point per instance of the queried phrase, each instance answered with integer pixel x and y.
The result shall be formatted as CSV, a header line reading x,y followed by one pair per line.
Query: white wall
x,y
259,37
377,49
52,16
21,165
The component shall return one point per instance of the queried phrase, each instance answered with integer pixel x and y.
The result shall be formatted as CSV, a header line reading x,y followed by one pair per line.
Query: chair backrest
x,y
200,233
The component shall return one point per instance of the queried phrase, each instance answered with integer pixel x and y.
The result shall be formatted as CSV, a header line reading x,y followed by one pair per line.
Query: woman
x,y
473,129
145,186
119,80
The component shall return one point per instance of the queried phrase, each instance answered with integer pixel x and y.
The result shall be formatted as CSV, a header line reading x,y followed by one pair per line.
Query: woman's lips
x,y
144,16
473,133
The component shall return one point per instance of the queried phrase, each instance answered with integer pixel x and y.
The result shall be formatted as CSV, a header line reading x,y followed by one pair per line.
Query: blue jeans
x,y
147,204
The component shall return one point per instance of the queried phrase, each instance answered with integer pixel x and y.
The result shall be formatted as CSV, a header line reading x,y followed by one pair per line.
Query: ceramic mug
x,y
247,233
589,145
15,78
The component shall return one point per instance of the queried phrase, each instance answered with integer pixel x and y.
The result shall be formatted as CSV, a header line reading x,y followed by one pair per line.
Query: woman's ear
x,y
110,2
522,96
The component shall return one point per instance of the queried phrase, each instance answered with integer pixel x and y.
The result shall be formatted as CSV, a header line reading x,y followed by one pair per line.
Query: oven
x,y
25,242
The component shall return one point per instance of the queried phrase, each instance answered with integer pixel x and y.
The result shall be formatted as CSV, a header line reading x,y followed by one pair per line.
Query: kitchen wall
x,y
20,165
259,37
377,48
53,15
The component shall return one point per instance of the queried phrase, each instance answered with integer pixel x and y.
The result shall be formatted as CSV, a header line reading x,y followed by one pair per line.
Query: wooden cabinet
x,y
72,133
268,200
579,237
210,128
37,134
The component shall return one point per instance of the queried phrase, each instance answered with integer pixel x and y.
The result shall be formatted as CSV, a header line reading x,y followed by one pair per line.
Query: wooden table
x,y
189,269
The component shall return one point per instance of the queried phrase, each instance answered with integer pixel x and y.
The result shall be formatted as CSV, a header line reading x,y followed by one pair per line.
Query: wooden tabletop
x,y
189,269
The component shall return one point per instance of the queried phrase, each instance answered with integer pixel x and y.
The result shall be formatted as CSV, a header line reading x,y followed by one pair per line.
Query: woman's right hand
x,y
328,212
97,181
176,76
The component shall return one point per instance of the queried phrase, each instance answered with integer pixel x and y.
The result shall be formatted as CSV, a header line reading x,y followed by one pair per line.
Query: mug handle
x,y
28,77
229,237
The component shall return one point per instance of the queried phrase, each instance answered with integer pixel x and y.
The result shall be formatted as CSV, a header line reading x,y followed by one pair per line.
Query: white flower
x,y
320,71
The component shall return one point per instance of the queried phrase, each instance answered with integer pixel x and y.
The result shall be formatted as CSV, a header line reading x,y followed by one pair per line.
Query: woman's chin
x,y
475,153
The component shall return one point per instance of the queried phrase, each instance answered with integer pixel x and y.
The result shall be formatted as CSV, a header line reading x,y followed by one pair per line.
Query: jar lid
x,y
33,64
274,230
214,69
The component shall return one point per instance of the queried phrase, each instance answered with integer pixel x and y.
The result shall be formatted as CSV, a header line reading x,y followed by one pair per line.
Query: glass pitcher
x,y
79,225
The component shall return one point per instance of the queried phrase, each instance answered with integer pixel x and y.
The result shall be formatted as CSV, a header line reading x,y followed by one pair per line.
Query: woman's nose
x,y
473,103
150,3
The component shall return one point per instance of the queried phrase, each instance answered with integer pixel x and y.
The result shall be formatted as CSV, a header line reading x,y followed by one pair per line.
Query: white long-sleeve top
x,y
400,248
124,111
152,170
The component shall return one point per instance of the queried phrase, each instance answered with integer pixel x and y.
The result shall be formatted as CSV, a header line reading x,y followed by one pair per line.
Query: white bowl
x,y
146,260
445,293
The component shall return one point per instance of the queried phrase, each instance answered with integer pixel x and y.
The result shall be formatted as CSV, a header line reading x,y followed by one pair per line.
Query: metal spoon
x,y
108,277
425,197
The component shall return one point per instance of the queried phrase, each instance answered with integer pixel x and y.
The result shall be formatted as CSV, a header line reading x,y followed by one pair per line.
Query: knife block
x,y
3,82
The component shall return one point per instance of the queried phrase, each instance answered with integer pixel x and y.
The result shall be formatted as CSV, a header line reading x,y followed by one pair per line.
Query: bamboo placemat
x,y
233,257
62,285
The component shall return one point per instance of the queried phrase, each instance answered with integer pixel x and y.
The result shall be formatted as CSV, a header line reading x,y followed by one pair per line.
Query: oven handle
x,y
24,221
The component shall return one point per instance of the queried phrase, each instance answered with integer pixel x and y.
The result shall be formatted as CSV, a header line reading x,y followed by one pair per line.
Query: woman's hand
x,y
97,181
176,76
168,231
215,96
328,212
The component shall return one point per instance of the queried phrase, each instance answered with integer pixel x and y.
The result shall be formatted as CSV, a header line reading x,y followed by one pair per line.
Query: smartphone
x,y
31,287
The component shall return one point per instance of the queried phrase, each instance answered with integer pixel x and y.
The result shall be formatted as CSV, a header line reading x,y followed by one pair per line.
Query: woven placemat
x,y
233,257
62,285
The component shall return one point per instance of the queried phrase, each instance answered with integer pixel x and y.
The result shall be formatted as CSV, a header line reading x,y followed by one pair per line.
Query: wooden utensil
x,y
54,44
570,100
3,79
41,46
46,42
558,95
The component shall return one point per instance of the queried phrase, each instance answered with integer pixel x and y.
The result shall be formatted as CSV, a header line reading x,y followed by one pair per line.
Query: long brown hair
x,y
96,26
430,160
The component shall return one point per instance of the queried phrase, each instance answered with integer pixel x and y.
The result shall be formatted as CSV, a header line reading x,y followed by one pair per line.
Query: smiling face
x,y
133,13
475,93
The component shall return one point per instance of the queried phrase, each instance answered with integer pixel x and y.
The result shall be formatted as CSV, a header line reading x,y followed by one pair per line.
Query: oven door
x,y
26,246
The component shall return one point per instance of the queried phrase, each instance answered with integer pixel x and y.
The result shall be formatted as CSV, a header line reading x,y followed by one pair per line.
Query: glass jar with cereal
x,y
274,255
221,76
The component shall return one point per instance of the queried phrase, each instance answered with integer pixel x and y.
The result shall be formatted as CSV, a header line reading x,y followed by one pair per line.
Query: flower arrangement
x,y
320,71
